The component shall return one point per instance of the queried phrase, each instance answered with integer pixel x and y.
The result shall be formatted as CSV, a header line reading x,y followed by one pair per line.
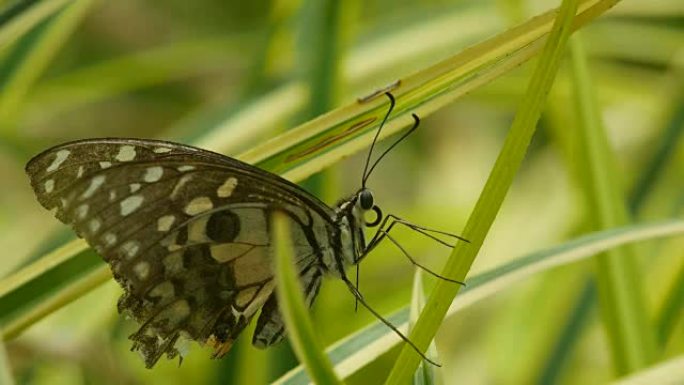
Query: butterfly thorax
x,y
352,243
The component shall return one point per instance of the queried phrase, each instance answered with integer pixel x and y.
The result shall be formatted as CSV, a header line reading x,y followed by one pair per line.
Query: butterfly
x,y
186,234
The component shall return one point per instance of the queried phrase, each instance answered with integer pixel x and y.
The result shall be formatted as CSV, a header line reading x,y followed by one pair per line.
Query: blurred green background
x,y
194,71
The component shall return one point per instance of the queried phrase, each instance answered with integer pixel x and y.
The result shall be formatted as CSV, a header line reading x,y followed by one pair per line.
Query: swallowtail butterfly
x,y
186,234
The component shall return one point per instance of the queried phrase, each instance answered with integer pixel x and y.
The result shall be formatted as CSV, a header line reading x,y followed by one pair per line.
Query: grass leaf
x,y
669,372
21,16
492,196
35,52
298,324
355,351
620,288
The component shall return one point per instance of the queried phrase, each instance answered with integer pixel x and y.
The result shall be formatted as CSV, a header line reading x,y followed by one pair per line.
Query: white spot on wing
x,y
95,184
185,168
164,290
161,150
80,172
126,153
105,164
94,225
142,269
183,180
130,248
131,204
49,185
109,239
61,156
134,187
173,263
164,223
226,189
198,205
153,174
112,195
82,211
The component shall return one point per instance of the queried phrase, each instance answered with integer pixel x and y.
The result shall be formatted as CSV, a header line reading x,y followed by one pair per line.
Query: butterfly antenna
x,y
406,134
377,315
375,139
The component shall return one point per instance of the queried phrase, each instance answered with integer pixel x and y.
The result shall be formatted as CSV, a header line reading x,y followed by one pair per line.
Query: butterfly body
x,y
186,234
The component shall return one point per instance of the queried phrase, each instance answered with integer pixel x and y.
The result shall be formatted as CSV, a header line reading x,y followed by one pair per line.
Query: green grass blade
x,y
359,349
622,302
569,336
426,374
6,377
38,48
291,304
349,128
671,310
19,18
133,71
493,194
669,372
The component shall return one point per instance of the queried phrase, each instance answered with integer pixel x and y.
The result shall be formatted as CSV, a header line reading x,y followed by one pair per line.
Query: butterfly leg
x,y
383,232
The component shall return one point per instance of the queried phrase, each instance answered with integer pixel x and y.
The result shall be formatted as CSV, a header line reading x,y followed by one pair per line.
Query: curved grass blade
x,y
5,371
671,310
289,290
426,374
21,16
669,372
348,129
355,351
500,179
623,306
36,51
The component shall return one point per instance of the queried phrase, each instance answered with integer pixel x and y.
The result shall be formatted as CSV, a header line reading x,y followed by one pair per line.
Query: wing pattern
x,y
185,232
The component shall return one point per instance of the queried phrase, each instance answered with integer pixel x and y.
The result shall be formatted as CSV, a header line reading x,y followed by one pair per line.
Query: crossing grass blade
x,y
622,295
669,372
20,17
299,327
355,351
33,53
493,193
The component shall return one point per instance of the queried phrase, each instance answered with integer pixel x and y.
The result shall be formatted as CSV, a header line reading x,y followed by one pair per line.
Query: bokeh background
x,y
184,70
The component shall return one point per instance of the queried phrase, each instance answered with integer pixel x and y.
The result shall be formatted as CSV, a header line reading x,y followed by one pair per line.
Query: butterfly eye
x,y
366,199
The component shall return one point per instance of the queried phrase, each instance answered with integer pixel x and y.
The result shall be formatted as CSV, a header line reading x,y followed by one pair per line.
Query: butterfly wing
x,y
185,232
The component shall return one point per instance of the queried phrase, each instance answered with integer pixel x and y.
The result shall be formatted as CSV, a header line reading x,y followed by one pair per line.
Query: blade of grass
x,y
321,47
671,310
669,372
620,290
493,194
359,349
20,17
295,313
572,329
137,70
38,48
427,374
352,126
6,377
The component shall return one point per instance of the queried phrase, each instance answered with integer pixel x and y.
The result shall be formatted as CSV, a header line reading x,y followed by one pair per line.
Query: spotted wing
x,y
185,232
